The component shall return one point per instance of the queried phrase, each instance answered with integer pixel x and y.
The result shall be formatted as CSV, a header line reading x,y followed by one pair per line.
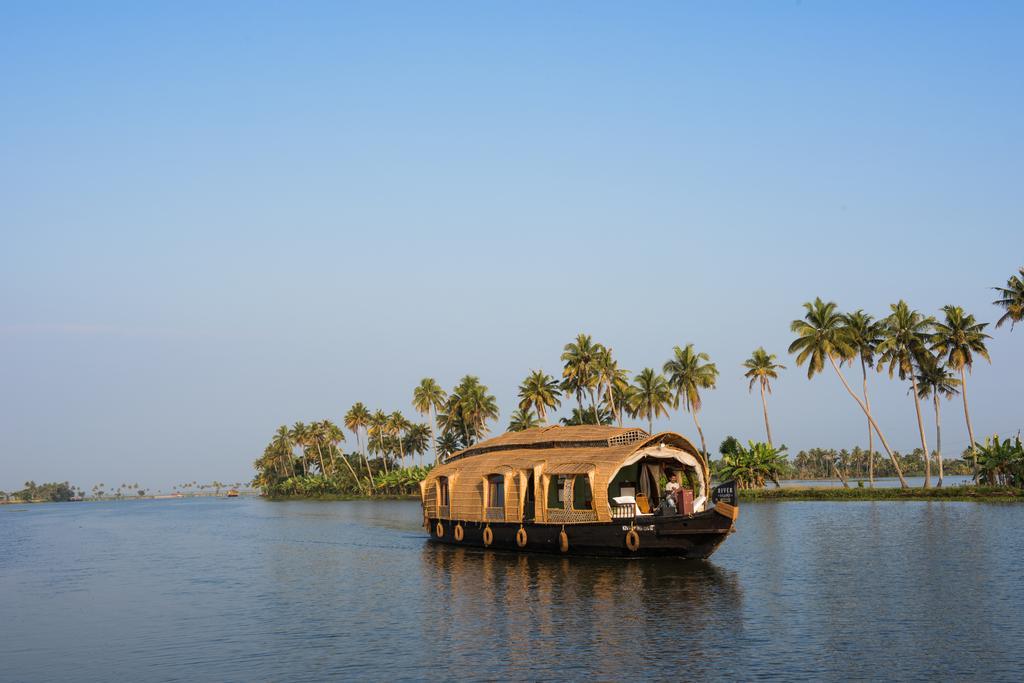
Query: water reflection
x,y
251,590
615,615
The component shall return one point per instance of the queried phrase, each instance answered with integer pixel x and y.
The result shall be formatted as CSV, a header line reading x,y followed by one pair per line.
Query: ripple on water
x,y
253,590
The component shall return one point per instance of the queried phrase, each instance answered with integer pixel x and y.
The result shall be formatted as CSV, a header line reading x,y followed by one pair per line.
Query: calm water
x,y
246,590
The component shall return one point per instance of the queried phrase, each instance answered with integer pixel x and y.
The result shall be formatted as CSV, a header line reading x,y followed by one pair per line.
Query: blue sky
x,y
221,217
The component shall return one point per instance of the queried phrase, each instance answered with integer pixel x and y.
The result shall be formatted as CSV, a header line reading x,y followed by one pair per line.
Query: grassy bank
x,y
344,496
997,494
975,493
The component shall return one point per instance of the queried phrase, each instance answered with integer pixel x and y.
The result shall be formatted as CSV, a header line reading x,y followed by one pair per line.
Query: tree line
x,y
934,355
52,492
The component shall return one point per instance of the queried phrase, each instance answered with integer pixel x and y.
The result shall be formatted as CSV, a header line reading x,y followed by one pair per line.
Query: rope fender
x,y
632,540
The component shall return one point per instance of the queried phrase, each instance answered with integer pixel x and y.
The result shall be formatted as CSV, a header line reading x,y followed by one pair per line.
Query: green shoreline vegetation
x,y
934,356
986,494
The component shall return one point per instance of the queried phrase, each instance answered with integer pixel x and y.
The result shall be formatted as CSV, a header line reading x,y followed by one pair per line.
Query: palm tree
x,y
585,416
761,369
651,397
820,336
467,410
284,447
397,424
448,443
334,435
358,417
580,358
613,380
935,380
477,408
1011,300
301,435
863,333
427,399
958,338
903,348
418,438
689,372
523,419
324,433
379,428
540,392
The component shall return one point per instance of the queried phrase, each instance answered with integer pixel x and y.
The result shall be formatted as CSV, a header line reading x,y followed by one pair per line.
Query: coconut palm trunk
x,y
355,477
700,432
366,461
871,420
764,405
383,453
320,454
433,435
611,402
970,428
938,436
920,430
839,473
593,402
871,434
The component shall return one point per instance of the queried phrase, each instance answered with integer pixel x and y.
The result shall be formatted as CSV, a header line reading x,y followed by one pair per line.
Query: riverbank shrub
x,y
972,493
1001,463
399,482
753,466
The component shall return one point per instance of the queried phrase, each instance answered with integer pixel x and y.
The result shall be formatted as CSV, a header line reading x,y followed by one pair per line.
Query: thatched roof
x,y
555,436
593,450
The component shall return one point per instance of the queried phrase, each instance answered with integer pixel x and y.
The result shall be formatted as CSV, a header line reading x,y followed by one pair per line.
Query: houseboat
x,y
586,490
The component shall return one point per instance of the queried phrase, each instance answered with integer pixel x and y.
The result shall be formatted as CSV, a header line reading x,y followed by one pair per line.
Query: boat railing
x,y
623,511
443,512
496,514
558,516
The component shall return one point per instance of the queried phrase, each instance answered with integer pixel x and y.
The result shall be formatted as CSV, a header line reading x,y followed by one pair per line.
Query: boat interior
x,y
638,489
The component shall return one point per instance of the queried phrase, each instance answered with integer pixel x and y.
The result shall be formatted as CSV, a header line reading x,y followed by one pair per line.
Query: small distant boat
x,y
587,490
167,496
232,493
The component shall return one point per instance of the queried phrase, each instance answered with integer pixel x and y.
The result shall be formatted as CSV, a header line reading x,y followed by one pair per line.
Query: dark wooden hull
x,y
690,537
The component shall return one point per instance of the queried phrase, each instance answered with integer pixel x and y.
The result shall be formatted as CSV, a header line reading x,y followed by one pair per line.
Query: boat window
x,y
582,497
556,492
625,481
496,491
530,502
443,486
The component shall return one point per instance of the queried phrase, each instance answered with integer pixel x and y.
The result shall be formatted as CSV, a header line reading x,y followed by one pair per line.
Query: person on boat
x,y
668,501
673,484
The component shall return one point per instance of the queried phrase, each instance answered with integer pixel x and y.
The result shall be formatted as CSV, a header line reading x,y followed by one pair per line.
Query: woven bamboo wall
x,y
531,451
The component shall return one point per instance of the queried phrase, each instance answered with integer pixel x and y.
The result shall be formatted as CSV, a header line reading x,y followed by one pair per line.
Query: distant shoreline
x,y
983,494
122,499
990,494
